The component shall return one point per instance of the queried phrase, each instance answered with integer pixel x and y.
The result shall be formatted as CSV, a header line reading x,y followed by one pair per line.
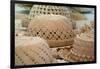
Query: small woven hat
x,y
56,29
32,50
83,49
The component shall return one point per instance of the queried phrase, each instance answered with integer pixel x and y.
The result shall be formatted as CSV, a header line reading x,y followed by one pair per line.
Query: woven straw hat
x,y
56,29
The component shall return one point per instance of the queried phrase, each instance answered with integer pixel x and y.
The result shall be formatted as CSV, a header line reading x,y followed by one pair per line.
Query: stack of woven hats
x,y
51,27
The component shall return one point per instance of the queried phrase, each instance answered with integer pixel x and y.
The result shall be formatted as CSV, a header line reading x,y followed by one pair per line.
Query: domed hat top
x,y
56,29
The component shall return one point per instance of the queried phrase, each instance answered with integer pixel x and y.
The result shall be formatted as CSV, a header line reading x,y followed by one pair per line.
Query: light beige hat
x,y
32,50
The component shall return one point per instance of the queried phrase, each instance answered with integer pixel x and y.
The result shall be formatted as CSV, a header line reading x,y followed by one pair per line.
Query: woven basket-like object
x,y
83,48
32,50
56,29
49,9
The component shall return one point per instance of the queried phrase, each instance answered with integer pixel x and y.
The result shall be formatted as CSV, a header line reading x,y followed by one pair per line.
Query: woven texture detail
x,y
56,29
32,50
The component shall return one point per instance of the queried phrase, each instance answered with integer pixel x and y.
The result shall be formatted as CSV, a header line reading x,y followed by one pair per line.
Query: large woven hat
x,y
32,50
56,29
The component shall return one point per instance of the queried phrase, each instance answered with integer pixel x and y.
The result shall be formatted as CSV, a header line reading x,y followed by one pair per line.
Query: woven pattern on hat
x,y
48,9
83,48
32,50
